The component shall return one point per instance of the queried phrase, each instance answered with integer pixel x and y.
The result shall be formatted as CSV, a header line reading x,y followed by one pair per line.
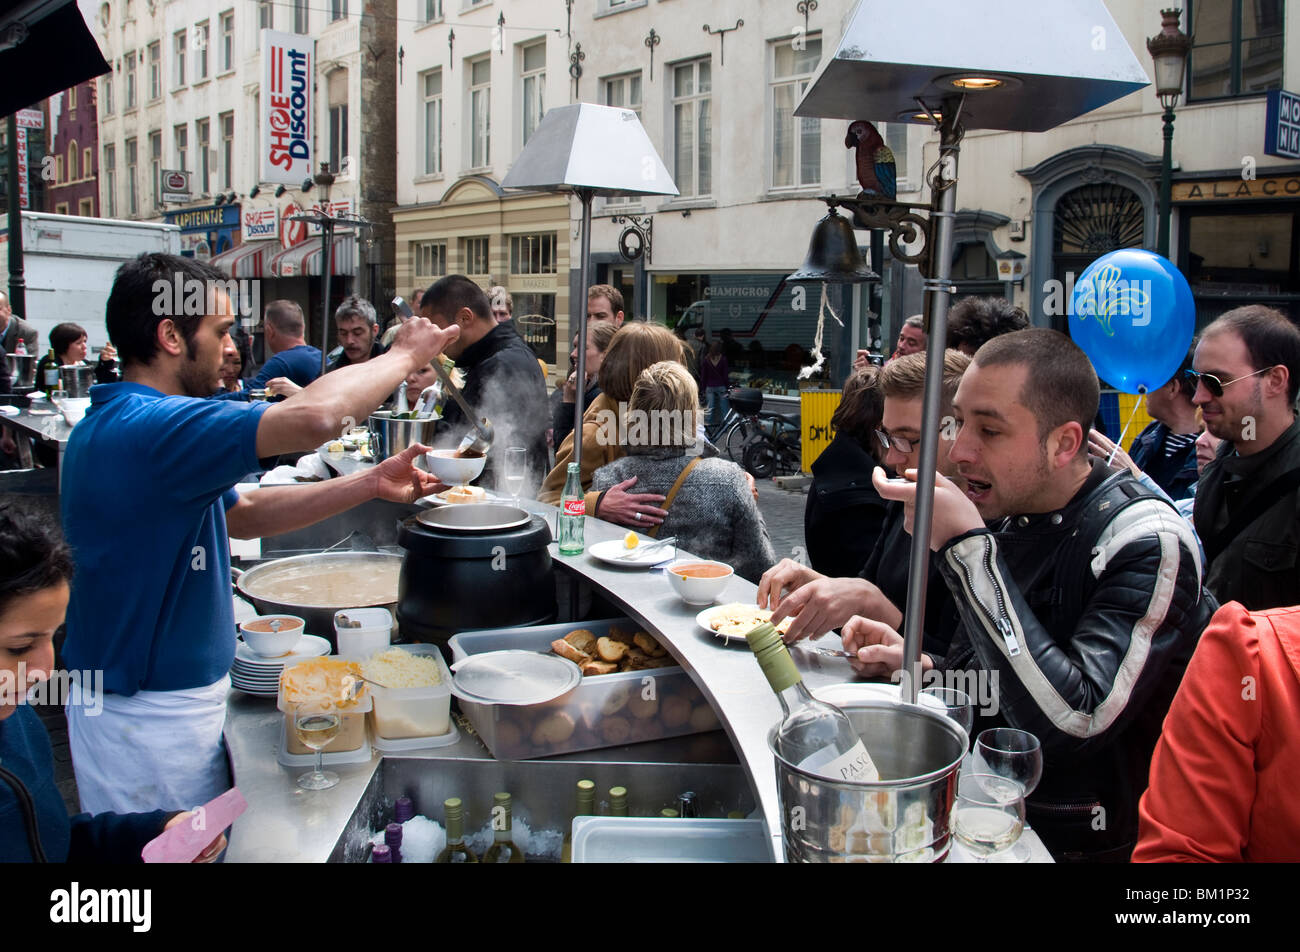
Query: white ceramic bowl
x,y
698,591
273,644
452,469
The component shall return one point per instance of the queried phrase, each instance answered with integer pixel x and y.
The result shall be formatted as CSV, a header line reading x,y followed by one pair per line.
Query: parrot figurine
x,y
877,173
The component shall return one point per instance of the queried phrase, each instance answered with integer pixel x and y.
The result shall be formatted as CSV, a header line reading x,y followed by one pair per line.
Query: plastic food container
x,y
610,839
351,735
401,713
375,633
605,710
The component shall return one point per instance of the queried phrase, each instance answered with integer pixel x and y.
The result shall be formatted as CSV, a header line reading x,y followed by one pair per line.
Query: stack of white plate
x,y
253,674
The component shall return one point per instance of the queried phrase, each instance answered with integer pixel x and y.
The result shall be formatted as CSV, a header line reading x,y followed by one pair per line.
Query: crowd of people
x,y
1118,600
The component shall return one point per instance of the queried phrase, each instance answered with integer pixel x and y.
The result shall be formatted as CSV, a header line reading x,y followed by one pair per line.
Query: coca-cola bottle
x,y
573,514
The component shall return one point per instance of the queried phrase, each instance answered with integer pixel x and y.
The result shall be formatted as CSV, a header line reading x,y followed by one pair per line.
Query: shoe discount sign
x,y
288,67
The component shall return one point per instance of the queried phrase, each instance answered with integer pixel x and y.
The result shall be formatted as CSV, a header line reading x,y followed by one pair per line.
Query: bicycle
x,y
744,411
775,450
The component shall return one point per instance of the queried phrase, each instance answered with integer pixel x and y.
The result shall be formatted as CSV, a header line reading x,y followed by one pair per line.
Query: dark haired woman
x,y
844,513
34,824
69,343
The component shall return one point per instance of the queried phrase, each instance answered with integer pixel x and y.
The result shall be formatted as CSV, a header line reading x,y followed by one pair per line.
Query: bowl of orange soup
x,y
699,581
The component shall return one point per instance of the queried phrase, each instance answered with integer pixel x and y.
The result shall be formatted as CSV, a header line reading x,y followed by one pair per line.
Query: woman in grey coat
x,y
714,514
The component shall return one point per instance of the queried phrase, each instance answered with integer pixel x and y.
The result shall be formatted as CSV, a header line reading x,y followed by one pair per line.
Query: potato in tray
x,y
621,650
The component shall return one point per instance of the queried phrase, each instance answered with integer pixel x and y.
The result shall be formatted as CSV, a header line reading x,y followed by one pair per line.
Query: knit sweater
x,y
714,514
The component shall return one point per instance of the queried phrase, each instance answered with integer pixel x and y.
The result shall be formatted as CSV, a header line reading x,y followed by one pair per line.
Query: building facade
x,y
73,136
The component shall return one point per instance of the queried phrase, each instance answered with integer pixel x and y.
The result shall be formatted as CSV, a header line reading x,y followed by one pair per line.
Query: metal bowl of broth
x,y
314,587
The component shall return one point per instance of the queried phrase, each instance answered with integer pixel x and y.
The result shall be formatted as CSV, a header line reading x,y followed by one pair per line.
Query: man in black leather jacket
x,y
1081,595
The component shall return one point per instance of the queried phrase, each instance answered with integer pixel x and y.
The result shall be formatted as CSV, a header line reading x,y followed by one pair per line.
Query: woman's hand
x,y
213,849
637,510
571,388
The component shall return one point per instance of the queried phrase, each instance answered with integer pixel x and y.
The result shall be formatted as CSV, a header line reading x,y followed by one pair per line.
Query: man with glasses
x,y
1248,499
819,603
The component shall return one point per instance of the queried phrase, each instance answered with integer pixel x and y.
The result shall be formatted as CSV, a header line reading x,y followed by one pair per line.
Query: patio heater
x,y
1013,65
589,150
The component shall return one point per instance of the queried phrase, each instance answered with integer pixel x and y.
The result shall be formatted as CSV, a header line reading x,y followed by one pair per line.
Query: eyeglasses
x,y
900,443
1214,384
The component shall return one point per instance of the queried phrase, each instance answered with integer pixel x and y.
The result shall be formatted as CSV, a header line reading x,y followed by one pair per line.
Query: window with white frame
x,y
130,80
155,165
431,121
181,140
532,75
106,94
155,71
227,120
110,180
203,142
227,41
132,198
480,113
86,170
85,208
693,128
796,142
429,258
337,90
532,254
432,11
338,10
179,42
265,15
201,38
474,255
300,20
624,92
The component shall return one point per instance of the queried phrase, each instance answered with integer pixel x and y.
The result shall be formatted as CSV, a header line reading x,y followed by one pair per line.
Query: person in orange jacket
x,y
1225,770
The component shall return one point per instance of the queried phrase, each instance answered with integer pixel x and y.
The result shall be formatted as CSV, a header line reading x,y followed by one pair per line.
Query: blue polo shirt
x,y
300,364
147,479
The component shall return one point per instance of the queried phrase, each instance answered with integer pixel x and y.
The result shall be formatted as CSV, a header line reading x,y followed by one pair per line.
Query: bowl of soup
x,y
272,636
452,468
699,581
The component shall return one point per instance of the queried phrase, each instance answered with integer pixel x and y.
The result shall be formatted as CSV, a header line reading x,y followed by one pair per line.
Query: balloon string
x,y
1137,405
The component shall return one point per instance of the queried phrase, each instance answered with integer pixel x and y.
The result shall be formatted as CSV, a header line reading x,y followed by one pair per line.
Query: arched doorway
x,y
1090,221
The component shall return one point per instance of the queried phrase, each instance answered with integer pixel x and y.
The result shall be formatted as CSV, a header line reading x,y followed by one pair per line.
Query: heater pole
x,y
584,276
943,207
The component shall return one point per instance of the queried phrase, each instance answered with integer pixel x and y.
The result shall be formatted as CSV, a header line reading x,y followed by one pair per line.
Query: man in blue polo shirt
x,y
148,505
292,358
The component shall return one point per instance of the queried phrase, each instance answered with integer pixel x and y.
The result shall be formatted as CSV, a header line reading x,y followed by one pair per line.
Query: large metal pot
x,y
319,618
390,437
77,379
22,370
898,820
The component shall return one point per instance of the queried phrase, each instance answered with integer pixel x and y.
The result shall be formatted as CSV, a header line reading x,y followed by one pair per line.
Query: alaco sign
x,y
1237,189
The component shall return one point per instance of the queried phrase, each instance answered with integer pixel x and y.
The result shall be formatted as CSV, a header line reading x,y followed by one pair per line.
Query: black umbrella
x,y
45,48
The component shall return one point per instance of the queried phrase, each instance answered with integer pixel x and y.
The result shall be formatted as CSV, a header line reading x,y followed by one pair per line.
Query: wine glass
x,y
317,723
516,469
957,705
988,814
1014,754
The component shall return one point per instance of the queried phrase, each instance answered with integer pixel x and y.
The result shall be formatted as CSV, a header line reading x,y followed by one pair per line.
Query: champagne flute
x,y
516,469
988,814
957,705
317,723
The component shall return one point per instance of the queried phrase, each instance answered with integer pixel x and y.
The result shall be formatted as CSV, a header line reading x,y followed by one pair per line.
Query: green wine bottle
x,y
586,807
618,801
455,851
503,849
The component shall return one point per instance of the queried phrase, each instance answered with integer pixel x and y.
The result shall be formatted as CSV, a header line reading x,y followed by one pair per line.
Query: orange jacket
x,y
1227,767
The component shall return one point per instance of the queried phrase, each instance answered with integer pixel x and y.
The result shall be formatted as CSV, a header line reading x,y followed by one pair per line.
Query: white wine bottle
x,y
455,851
814,736
586,807
618,801
503,849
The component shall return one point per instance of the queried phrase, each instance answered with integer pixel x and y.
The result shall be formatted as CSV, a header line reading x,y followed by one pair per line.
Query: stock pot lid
x,y
514,677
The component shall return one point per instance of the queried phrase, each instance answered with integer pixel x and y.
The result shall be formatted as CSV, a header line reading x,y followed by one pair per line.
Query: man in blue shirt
x,y
292,358
147,508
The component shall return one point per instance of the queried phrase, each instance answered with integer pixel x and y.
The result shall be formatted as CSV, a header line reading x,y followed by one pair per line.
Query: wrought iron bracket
x,y
652,39
903,223
721,34
642,227
451,50
575,66
805,7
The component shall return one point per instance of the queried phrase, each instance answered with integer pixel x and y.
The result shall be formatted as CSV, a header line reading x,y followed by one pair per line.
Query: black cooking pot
x,y
455,580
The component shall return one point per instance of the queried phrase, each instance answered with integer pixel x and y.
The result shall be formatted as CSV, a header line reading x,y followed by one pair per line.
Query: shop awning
x,y
304,259
248,260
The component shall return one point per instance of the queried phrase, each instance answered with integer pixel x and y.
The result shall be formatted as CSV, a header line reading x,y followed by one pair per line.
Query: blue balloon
x,y
1132,313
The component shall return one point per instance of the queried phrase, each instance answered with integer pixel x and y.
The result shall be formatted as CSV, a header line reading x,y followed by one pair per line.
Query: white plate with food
x,y
637,556
462,495
735,620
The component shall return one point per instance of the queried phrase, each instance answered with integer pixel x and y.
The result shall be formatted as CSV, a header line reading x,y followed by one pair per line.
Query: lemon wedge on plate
x,y
630,541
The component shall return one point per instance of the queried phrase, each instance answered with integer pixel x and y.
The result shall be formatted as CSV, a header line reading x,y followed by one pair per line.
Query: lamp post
x,y
1169,49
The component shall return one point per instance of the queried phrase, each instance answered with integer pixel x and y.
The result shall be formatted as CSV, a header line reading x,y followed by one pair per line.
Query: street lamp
x,y
1169,49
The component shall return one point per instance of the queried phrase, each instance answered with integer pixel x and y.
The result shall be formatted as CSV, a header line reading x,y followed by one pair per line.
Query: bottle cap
x,y
502,800
403,809
393,834
381,854
669,814
452,806
618,793
773,657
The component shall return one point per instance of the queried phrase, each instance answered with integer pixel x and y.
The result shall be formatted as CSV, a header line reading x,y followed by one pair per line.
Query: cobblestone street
x,y
783,512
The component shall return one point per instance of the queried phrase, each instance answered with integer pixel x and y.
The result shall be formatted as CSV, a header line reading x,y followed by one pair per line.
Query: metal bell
x,y
833,255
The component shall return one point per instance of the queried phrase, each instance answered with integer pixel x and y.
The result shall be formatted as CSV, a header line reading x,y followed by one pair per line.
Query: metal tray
x,y
479,517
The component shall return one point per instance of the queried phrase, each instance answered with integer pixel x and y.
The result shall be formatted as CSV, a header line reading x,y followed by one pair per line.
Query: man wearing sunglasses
x,y
1248,499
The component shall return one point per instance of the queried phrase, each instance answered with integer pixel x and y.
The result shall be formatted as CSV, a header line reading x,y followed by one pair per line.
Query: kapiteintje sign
x,y
288,67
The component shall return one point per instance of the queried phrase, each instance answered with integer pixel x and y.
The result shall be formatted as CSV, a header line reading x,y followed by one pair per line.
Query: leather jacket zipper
x,y
1001,621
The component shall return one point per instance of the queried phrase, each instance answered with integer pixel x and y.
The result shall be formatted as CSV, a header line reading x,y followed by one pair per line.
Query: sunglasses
x,y
1214,384
900,443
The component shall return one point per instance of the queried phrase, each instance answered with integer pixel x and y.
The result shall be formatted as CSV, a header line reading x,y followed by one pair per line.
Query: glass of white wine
x,y
988,814
516,470
317,723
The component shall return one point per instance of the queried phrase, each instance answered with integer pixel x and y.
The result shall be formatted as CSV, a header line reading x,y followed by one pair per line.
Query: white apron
x,y
153,750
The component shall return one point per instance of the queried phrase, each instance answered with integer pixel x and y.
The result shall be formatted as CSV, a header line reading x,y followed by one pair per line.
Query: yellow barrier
x,y
1140,422
816,407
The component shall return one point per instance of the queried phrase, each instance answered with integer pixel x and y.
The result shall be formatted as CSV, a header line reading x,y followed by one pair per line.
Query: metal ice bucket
x,y
22,370
390,437
77,379
904,818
